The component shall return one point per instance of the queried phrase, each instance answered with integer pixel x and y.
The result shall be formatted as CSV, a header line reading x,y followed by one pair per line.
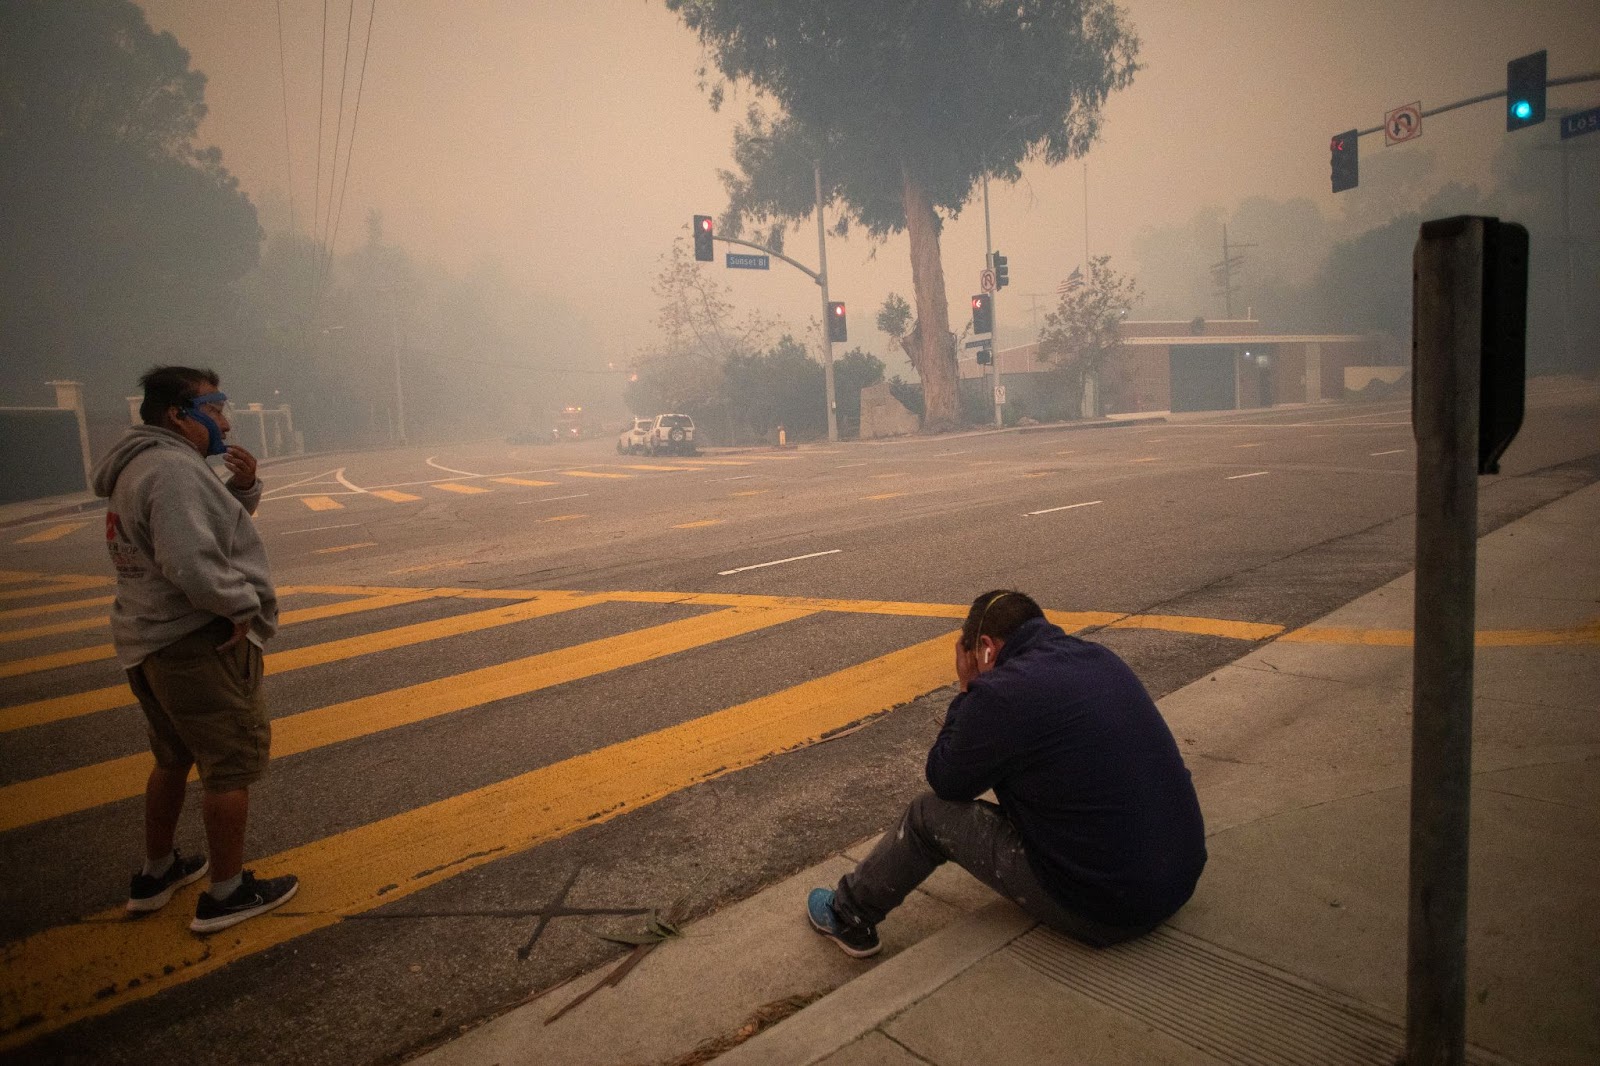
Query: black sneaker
x,y
857,941
147,893
251,898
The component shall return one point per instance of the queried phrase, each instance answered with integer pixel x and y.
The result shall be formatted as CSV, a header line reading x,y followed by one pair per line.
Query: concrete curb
x,y
855,1009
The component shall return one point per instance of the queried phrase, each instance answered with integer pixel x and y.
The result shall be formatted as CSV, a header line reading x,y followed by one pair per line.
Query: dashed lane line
x,y
563,518
345,548
42,798
700,524
554,499
1392,451
101,964
44,536
750,492
319,529
1064,507
778,562
1236,477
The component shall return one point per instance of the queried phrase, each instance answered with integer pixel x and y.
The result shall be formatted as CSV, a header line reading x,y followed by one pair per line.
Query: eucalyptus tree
x,y
904,106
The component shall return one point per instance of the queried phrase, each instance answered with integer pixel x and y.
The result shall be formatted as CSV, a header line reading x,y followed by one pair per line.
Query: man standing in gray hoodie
x,y
194,605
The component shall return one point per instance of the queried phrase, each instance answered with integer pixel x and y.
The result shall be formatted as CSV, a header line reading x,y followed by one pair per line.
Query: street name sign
x,y
1579,124
738,261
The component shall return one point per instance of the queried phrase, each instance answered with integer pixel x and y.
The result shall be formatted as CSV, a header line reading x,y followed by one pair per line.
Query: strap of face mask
x,y
215,445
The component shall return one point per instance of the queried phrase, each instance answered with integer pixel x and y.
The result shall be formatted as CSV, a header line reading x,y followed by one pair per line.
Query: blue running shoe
x,y
857,941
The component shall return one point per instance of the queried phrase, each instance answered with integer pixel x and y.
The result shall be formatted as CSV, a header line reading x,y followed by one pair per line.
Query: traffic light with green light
x,y
1525,91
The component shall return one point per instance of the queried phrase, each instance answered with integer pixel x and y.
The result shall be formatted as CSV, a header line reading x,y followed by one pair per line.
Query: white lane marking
x,y
1068,507
347,483
1236,477
314,529
847,466
1395,451
450,469
553,499
741,477
296,484
940,455
776,562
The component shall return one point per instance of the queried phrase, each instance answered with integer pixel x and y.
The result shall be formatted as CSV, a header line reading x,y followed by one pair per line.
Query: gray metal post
x,y
822,280
399,387
994,299
1447,268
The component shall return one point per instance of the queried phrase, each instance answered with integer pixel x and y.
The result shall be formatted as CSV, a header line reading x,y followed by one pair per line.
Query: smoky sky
x,y
570,143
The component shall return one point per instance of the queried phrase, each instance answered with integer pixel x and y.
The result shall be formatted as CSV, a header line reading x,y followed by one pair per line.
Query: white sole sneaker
x,y
244,913
154,903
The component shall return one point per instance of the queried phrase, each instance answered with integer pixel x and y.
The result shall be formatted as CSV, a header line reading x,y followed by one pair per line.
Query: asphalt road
x,y
464,749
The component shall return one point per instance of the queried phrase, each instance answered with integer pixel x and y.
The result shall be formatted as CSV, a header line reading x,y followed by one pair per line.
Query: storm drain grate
x,y
1221,1003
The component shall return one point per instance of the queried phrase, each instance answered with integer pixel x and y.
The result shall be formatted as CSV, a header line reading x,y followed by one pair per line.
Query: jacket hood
x,y
136,441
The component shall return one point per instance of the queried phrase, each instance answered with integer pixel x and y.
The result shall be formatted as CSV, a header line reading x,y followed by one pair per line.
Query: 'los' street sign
x,y
1580,123
736,261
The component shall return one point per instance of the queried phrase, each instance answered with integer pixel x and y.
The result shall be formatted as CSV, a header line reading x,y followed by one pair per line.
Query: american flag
x,y
1073,283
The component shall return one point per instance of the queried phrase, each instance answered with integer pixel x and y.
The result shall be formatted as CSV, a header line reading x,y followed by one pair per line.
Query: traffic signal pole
x,y
994,336
827,319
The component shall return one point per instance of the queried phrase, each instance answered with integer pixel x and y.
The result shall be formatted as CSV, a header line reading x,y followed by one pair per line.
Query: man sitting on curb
x,y
1098,832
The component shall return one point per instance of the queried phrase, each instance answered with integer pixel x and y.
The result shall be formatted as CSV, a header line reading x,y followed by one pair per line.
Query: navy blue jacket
x,y
1085,768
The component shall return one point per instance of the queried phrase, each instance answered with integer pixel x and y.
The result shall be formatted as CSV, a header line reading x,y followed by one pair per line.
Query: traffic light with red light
x,y
1344,160
702,239
837,330
983,313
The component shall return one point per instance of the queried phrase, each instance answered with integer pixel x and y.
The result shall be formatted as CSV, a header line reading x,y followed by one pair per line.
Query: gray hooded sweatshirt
x,y
183,543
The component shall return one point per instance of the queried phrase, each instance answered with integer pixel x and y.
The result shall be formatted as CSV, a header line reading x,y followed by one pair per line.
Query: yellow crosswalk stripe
x,y
465,490
72,583
563,517
522,481
322,503
1210,627
103,963
41,798
77,625
56,708
751,492
700,524
12,577
56,608
53,533
392,598
721,462
393,495
884,496
667,469
593,473
345,548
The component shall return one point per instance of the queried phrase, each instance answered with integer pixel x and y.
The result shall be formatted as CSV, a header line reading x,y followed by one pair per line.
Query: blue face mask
x,y
215,445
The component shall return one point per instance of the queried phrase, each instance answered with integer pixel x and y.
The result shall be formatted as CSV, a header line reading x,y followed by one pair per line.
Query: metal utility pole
x,y
1222,272
822,280
1470,301
994,300
399,387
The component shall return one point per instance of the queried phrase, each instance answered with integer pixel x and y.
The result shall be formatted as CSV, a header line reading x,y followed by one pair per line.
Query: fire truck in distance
x,y
568,425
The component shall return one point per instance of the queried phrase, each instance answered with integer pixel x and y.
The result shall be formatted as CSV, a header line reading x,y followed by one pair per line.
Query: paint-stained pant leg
x,y
976,836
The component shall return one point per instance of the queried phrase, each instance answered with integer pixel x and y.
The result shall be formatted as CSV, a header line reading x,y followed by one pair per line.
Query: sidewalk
x,y
1294,948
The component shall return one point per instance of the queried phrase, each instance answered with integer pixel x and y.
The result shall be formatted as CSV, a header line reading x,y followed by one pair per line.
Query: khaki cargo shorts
x,y
206,709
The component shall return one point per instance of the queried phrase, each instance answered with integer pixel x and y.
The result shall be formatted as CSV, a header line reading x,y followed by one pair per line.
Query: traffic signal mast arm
x,y
807,271
1571,79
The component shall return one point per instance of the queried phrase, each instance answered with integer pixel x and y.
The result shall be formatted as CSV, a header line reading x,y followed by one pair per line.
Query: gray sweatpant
x,y
976,836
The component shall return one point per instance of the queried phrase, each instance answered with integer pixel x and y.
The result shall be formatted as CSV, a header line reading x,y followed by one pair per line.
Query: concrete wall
x,y
884,416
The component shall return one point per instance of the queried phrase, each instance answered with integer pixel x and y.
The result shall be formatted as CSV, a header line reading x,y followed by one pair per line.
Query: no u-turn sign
x,y
1402,124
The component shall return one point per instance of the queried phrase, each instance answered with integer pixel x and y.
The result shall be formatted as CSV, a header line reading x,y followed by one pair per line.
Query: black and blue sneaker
x,y
857,941
147,893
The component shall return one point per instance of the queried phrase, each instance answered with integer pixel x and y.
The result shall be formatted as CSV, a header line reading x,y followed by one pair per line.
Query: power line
x,y
322,93
338,128
350,147
283,81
